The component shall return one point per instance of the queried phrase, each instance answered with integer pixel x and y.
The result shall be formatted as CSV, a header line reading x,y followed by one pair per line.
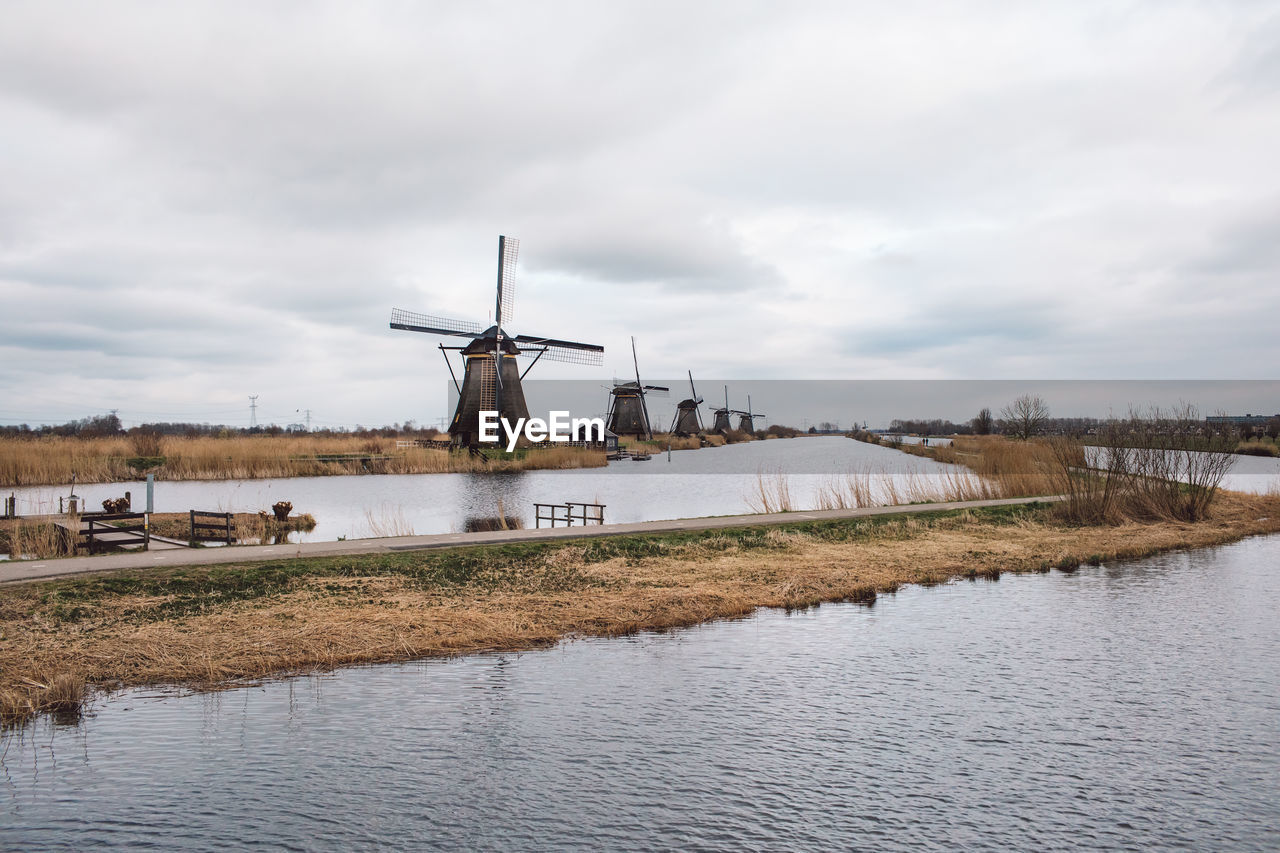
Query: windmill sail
x,y
410,321
508,251
570,352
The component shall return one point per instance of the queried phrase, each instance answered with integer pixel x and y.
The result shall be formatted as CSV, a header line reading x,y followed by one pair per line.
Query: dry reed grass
x,y
662,440
55,460
211,627
772,493
34,538
1014,469
386,521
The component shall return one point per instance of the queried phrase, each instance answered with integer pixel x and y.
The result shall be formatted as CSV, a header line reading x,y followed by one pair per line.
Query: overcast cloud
x,y
202,202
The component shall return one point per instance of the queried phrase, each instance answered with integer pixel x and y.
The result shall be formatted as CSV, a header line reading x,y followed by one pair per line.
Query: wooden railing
x,y
97,528
219,530
568,513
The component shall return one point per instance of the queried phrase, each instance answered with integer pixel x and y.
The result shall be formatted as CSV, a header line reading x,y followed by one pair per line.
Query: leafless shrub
x,y
1092,496
1152,465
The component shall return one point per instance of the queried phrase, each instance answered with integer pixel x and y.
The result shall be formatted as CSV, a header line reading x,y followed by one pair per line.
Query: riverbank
x,y
53,460
217,626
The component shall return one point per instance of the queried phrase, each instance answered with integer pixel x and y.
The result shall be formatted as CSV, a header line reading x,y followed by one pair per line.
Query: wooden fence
x,y
211,527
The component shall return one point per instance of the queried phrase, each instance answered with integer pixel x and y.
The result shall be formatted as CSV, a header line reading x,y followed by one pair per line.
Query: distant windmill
x,y
688,421
721,423
628,414
746,420
491,380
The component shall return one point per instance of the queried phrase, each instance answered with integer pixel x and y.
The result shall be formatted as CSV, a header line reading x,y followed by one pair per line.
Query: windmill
x,y
491,377
721,423
628,414
746,420
688,421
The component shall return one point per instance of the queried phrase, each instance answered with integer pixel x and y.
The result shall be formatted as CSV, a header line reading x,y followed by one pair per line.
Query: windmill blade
x,y
430,324
508,251
635,361
657,390
571,352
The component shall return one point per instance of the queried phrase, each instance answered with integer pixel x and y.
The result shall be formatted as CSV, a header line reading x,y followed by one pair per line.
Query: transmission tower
x,y
253,410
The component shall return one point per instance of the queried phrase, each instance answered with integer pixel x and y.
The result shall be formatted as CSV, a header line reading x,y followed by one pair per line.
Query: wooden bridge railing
x,y
568,513
97,528
202,530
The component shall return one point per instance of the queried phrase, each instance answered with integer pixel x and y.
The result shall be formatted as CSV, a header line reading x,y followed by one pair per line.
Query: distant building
x,y
1239,420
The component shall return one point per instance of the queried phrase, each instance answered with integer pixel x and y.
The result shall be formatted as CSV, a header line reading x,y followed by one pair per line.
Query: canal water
x,y
1133,706
694,483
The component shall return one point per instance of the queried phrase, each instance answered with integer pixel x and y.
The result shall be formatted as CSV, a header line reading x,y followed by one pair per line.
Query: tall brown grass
x,y
25,696
868,487
387,521
772,493
1014,469
56,460
36,538
661,441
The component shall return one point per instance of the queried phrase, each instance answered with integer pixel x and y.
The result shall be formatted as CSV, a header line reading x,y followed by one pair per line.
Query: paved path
x,y
18,571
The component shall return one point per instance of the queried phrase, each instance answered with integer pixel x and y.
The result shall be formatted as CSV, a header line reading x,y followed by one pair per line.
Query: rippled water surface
x,y
1132,706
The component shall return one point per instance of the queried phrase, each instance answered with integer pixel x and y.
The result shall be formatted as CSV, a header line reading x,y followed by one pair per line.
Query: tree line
x,y
106,426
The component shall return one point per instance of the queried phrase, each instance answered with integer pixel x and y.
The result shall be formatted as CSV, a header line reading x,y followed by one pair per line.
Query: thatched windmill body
x,y
720,422
491,375
746,420
688,420
628,413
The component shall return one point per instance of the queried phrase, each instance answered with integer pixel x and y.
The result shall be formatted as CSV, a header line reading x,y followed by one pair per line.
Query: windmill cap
x,y
486,341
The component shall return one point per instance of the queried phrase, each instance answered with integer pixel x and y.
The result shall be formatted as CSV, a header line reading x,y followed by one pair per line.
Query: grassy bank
x,y
55,460
661,441
209,627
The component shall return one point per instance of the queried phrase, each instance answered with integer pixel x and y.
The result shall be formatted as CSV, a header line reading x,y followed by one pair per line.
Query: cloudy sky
x,y
202,202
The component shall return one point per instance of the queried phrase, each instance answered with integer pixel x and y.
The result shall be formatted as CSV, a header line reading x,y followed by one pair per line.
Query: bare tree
x,y
1024,417
984,423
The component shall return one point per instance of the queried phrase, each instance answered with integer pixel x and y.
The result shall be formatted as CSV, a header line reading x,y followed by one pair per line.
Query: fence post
x,y
146,532
228,515
191,540
92,549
